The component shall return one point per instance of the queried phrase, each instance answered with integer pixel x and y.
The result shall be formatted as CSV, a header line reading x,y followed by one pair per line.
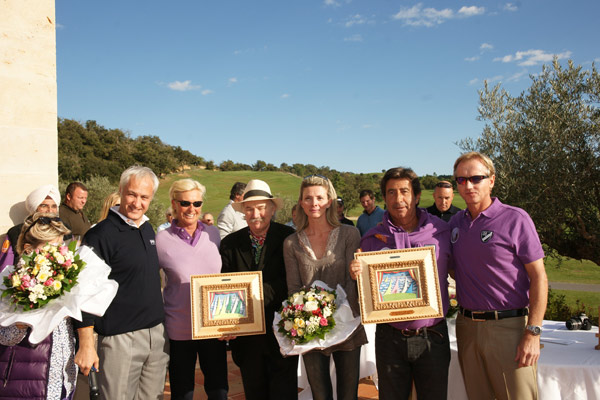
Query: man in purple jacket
x,y
412,350
501,286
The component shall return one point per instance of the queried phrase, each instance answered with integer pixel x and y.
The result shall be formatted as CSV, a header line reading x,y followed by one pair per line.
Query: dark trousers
x,y
347,369
422,358
212,356
266,374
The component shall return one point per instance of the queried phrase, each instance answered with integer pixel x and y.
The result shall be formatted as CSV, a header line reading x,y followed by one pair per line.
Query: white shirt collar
x,y
127,220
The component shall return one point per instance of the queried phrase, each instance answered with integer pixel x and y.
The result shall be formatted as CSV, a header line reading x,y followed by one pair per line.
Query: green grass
x,y
573,271
218,184
589,299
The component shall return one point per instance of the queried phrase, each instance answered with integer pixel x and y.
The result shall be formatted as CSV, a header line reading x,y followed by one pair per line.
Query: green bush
x,y
558,309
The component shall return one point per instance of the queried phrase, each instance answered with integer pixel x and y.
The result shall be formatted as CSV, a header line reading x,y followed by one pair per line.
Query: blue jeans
x,y
422,358
347,368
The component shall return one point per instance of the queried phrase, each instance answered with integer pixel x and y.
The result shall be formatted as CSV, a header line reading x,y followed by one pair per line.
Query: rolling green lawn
x,y
572,271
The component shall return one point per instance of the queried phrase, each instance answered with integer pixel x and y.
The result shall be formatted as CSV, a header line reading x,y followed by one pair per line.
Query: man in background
x,y
340,211
443,194
71,211
208,219
230,220
372,214
43,199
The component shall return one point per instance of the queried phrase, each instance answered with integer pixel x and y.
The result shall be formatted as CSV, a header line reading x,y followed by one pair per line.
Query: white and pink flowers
x,y
42,276
307,315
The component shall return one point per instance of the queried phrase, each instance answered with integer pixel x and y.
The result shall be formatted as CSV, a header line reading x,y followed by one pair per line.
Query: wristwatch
x,y
534,329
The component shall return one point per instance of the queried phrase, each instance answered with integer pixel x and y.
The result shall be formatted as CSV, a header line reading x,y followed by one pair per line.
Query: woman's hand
x,y
355,267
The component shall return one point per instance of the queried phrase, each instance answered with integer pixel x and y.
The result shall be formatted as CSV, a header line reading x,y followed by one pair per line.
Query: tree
x,y
545,144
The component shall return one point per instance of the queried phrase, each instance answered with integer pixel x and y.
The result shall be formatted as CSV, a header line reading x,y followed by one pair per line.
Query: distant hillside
x,y
285,185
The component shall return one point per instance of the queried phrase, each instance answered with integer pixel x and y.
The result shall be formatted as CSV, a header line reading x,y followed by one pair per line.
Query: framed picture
x,y
399,285
227,304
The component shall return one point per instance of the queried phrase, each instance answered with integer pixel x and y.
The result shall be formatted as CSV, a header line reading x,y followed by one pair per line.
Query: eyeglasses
x,y
43,221
475,179
316,176
444,185
185,203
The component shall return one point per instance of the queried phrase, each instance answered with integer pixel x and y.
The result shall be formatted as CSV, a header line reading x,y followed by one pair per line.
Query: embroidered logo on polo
x,y
454,237
152,242
486,236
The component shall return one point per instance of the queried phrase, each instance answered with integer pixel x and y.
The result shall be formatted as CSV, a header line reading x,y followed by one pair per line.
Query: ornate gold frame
x,y
419,267
205,326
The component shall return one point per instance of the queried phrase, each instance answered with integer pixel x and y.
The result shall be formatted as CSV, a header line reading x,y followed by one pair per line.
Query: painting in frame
x,y
227,304
399,285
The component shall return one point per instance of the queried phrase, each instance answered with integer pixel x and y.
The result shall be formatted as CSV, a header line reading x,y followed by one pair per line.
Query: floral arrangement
x,y
43,275
307,315
453,308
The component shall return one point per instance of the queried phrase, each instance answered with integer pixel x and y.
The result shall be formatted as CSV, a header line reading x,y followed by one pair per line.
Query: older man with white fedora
x,y
259,247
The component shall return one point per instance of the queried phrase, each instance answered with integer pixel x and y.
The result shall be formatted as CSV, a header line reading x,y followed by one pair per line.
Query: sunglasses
x,y
43,221
185,203
475,179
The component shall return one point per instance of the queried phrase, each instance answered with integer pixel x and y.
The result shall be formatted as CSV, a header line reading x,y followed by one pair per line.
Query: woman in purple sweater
x,y
189,247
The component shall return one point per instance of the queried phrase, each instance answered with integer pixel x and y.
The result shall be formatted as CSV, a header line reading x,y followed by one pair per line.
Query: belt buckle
x,y
477,319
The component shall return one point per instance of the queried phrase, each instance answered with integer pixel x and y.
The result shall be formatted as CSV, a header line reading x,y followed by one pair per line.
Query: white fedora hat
x,y
257,190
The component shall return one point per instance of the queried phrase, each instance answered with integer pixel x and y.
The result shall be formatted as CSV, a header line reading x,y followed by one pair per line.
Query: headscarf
x,y
36,197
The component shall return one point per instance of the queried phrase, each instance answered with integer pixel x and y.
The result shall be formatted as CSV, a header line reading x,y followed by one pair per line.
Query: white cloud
x,y
59,26
355,20
470,11
331,3
510,7
419,16
367,126
494,79
473,81
471,59
285,96
517,76
206,92
485,46
532,57
354,38
183,86
232,81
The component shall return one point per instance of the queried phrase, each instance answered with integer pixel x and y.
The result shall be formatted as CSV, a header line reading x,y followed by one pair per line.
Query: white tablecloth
x,y
565,371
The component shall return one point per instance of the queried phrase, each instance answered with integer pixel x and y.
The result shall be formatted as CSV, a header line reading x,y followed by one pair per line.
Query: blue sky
x,y
356,85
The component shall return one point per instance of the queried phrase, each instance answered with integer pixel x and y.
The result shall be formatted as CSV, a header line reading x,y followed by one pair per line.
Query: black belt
x,y
421,331
493,315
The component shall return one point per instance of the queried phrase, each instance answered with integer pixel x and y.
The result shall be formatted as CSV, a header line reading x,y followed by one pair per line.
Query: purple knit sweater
x,y
180,257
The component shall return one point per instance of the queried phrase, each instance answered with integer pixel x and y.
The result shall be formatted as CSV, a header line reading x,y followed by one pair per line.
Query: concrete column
x,y
28,110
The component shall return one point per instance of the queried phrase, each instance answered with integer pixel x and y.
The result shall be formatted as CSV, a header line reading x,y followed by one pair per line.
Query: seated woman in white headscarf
x,y
43,199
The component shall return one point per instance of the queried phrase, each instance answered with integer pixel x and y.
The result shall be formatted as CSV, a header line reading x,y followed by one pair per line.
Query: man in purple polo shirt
x,y
411,350
502,287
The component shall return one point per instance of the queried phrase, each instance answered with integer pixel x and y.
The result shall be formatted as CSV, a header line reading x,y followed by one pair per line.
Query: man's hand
x,y
355,267
528,351
86,356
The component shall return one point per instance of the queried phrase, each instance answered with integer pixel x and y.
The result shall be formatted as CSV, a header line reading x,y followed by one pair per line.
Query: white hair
x,y
138,172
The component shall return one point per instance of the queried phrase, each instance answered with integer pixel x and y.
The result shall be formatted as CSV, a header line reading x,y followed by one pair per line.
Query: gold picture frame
x,y
399,285
227,304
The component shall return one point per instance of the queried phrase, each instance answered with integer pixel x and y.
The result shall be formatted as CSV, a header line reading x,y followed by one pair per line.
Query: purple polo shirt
x,y
431,231
490,254
180,256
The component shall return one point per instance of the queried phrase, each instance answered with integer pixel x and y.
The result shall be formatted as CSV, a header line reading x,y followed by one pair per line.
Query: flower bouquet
x,y
315,318
54,283
43,275
453,307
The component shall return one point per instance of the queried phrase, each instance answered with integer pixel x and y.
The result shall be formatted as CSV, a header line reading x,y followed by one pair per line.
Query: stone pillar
x,y
28,110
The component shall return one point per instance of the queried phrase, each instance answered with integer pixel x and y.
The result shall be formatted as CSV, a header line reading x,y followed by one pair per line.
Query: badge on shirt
x,y
381,237
152,242
454,237
486,236
5,246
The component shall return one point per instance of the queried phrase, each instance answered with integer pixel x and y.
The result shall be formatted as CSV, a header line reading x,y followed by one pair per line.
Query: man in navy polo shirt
x,y
132,344
501,286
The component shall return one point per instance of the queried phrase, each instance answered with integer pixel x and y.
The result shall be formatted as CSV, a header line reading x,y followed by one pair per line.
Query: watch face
x,y
536,330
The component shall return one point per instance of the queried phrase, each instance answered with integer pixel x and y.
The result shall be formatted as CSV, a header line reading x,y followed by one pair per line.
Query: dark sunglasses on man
x,y
475,179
